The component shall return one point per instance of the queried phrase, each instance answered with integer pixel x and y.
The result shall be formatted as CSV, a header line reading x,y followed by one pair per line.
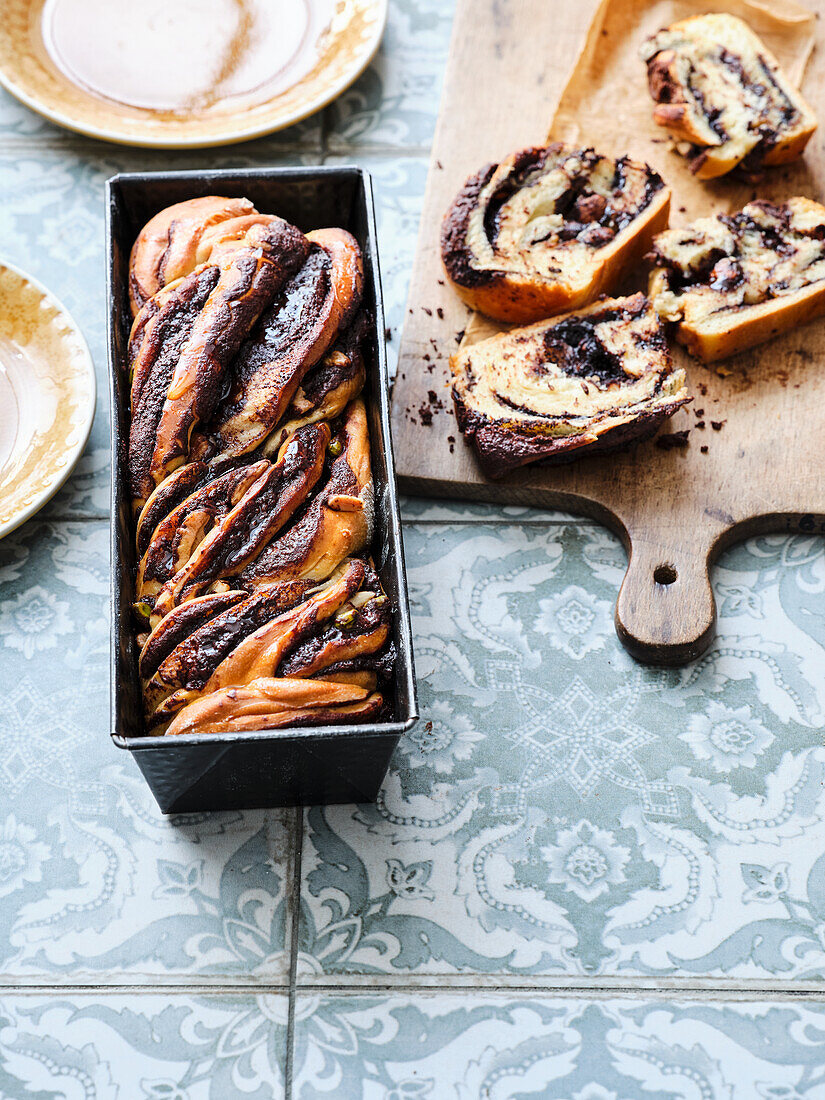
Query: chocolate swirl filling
x,y
249,463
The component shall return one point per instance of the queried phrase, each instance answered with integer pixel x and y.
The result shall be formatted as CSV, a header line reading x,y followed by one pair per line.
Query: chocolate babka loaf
x,y
735,280
249,463
549,229
723,96
591,381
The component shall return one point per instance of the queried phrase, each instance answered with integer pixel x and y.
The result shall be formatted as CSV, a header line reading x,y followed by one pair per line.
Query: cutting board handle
x,y
666,613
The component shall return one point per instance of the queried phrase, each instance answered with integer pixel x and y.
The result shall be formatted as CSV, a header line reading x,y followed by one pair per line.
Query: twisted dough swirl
x,y
249,468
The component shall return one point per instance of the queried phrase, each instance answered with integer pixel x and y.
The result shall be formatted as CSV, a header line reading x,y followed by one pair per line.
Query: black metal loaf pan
x,y
273,767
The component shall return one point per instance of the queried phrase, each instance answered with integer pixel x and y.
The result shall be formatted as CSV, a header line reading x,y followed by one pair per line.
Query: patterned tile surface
x,y
149,1047
407,1046
95,885
561,810
559,814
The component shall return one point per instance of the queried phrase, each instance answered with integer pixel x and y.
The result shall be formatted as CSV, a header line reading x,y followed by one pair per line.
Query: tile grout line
x,y
596,991
294,939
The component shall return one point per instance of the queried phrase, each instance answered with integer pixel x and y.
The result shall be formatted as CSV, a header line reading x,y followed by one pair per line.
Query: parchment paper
x,y
606,102
606,105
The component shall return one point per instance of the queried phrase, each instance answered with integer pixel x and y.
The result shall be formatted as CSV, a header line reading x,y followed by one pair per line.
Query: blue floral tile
x,y
19,124
410,1046
426,510
143,1047
396,100
86,493
561,810
95,884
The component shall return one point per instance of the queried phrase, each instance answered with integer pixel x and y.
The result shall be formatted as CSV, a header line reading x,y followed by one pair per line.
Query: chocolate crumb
x,y
703,389
673,439
718,425
704,449
700,424
459,336
388,333
440,313
429,312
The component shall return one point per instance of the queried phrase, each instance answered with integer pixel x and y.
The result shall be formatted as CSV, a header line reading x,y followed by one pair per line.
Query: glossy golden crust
x,y
549,229
167,247
249,459
592,380
734,281
722,93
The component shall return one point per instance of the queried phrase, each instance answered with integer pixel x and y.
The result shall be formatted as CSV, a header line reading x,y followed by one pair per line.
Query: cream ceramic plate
x,y
184,73
47,396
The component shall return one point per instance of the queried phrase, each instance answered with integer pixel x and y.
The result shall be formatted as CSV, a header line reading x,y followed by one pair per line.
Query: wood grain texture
x,y
759,470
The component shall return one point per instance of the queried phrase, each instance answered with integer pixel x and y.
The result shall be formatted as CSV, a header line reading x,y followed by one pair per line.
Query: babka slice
x,y
590,381
719,90
549,229
735,280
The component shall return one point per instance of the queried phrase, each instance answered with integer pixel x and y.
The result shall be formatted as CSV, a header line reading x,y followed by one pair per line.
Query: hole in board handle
x,y
664,574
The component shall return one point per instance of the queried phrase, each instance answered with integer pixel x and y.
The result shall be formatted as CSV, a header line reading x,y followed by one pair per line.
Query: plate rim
x,y
77,450
121,137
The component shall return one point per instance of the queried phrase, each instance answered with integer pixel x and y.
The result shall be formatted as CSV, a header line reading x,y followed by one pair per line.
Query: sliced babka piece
x,y
590,381
549,229
722,93
735,280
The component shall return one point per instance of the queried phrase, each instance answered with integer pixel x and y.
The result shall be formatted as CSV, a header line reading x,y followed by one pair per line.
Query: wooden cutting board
x,y
760,469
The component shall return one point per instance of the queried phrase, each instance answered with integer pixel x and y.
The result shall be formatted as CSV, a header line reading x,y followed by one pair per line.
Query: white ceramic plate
x,y
29,71
47,396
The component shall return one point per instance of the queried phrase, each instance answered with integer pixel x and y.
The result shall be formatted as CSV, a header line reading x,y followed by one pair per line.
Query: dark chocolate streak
x,y
788,112
502,449
712,114
588,217
214,498
246,288
526,163
169,494
284,552
339,641
575,348
326,377
381,663
283,327
193,661
160,348
266,507
179,624
722,272
454,252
